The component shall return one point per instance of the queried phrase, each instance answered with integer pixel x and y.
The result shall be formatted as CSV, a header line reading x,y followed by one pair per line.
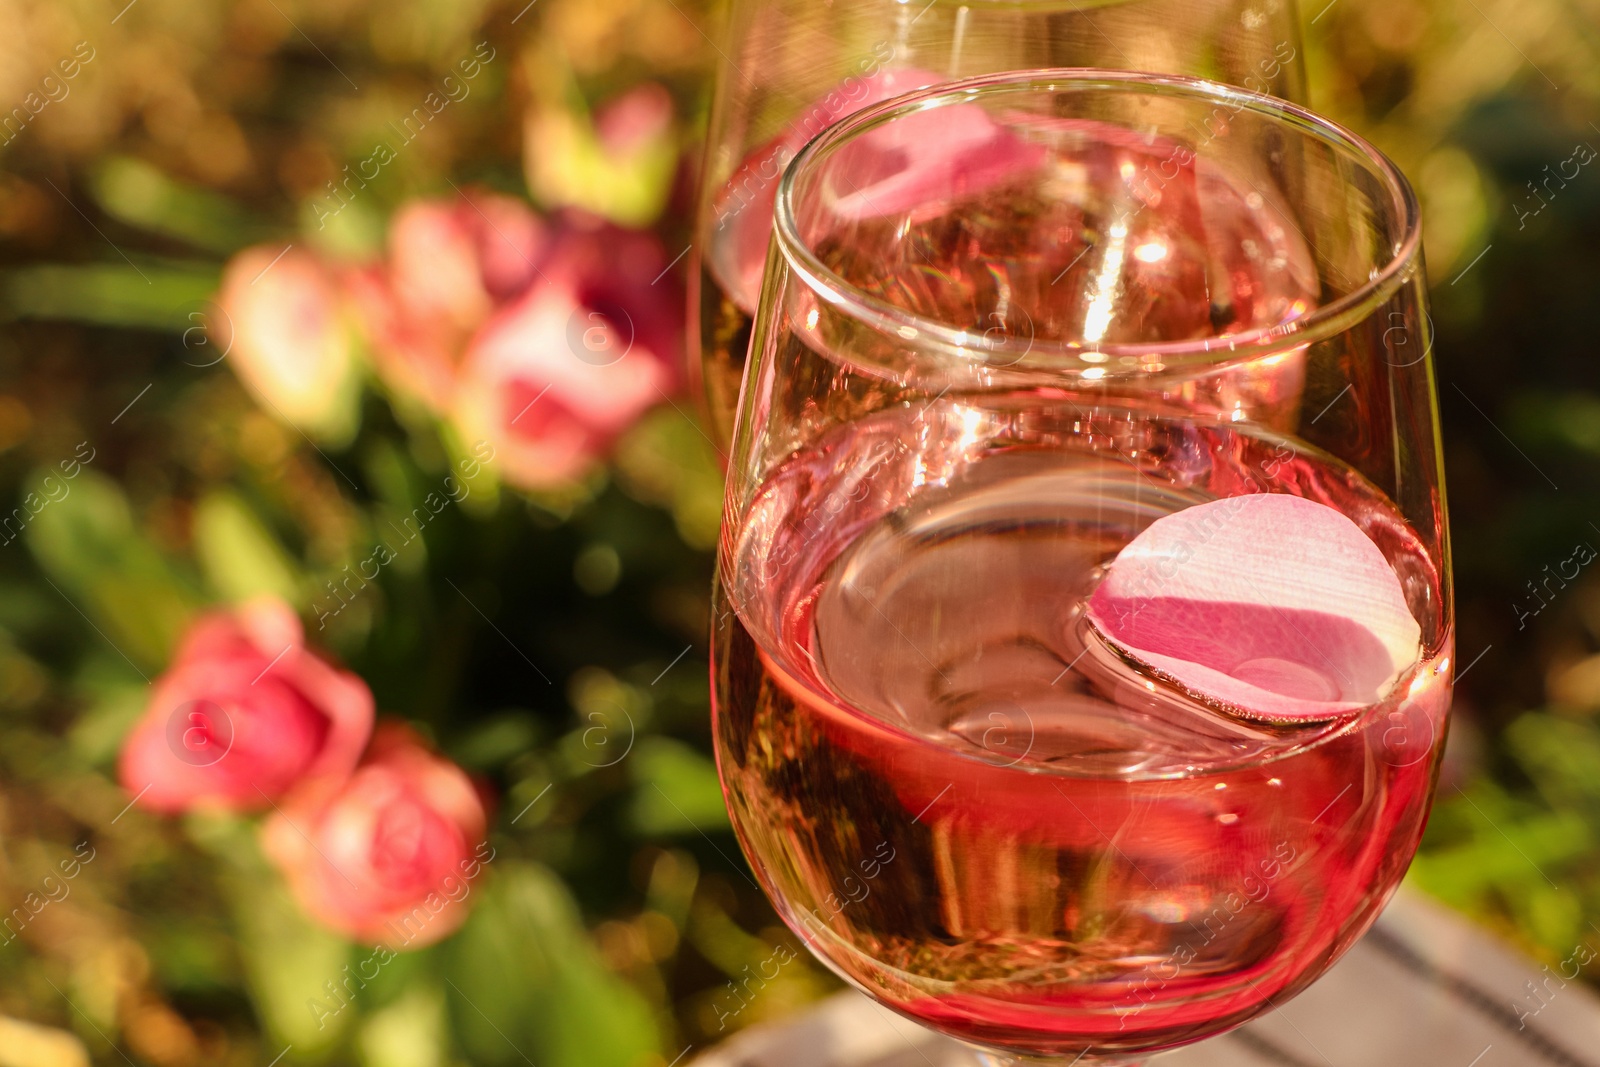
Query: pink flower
x,y
451,263
389,855
243,713
556,375
544,347
287,334
634,120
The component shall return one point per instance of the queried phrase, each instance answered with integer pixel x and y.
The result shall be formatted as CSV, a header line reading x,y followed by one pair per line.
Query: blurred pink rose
x,y
450,263
243,713
554,377
388,856
634,120
288,336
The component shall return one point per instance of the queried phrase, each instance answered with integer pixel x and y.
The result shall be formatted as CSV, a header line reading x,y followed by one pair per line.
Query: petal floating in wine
x,y
1274,605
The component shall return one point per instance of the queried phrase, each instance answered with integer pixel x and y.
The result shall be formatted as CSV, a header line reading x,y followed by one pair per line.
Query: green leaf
x,y
1560,756
294,968
411,1032
678,790
495,741
1505,853
526,984
84,538
401,488
191,954
139,194
238,554
1557,421
667,460
151,296
96,735
1551,915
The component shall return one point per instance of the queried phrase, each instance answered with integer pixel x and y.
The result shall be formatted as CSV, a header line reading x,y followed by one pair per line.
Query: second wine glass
x,y
789,68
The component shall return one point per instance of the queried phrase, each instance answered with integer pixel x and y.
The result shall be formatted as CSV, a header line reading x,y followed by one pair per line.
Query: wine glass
x,y
789,68
1083,630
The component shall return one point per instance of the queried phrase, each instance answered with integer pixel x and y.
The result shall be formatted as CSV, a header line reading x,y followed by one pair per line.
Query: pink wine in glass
x,y
971,805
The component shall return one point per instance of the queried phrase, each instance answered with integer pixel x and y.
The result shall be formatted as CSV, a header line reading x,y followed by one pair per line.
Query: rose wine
x,y
1071,230
970,804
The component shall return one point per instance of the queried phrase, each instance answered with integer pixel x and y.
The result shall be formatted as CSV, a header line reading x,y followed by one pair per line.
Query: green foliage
x,y
88,544
293,966
412,1032
667,460
240,557
138,194
526,984
1525,855
1498,846
152,295
1560,756
552,643
677,790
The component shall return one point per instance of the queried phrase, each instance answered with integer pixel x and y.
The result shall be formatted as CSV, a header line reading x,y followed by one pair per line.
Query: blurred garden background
x,y
282,286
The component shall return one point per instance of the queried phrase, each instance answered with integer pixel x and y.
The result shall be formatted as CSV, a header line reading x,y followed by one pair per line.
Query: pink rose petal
x,y
1274,605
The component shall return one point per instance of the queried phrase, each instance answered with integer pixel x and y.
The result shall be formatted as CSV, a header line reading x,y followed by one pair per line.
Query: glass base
x,y
1087,1058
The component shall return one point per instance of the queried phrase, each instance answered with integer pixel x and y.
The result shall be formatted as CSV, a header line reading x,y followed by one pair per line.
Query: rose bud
x,y
243,713
554,378
450,264
288,336
388,856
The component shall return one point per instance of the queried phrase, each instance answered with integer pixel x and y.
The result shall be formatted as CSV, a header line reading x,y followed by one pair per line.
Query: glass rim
x,y
921,332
